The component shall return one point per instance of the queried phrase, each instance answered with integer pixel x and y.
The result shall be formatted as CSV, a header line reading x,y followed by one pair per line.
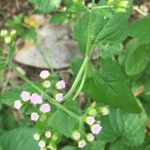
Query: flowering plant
x,y
114,115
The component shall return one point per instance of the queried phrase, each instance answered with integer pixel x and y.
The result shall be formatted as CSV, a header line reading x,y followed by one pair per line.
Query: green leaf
x,y
103,30
68,148
8,98
59,18
138,59
109,51
46,6
3,63
109,86
96,145
119,145
130,128
107,133
18,139
148,147
140,29
81,28
63,123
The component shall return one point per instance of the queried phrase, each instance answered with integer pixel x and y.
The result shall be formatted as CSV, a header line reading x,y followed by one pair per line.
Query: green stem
x,y
77,79
82,83
52,101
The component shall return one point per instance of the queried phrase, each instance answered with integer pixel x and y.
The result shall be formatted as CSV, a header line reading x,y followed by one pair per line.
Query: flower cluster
x,y
59,86
94,127
47,140
118,5
41,108
35,100
8,38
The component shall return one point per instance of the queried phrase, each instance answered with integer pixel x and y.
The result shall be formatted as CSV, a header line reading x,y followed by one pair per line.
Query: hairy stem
x,y
78,78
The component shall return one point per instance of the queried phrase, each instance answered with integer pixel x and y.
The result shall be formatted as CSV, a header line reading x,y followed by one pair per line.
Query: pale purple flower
x,y
44,74
60,85
96,128
36,99
90,137
42,144
36,136
25,96
59,97
90,120
81,144
17,104
76,135
48,134
45,108
35,116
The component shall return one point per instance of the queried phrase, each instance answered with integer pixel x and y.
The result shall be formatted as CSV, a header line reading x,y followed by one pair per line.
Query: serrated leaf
x,y
63,123
46,6
109,86
129,127
107,133
140,29
18,139
102,30
138,59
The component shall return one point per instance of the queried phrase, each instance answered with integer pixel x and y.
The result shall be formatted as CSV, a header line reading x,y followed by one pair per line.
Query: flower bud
x,y
44,74
46,84
81,144
90,137
76,135
55,137
52,146
36,99
96,128
8,40
104,110
60,85
36,136
59,97
42,144
92,111
25,96
3,33
13,34
90,120
48,134
17,104
45,108
35,116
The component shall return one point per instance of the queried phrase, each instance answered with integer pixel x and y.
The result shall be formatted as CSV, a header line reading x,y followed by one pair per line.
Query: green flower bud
x,y
52,146
13,34
56,137
103,110
8,40
76,135
92,111
3,33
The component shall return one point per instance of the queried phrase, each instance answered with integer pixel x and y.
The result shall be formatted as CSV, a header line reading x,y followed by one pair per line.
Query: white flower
x,y
48,134
90,120
42,144
17,104
81,144
90,137
44,74
36,136
96,128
